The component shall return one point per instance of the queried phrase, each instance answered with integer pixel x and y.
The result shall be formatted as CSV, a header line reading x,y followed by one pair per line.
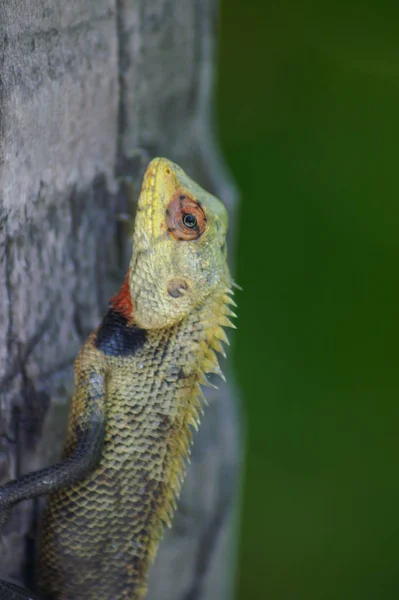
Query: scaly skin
x,y
137,392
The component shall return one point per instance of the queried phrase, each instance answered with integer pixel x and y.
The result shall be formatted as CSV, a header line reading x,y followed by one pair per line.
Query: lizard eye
x,y
189,220
185,217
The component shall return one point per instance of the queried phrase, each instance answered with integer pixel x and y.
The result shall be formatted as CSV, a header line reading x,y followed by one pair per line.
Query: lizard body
x,y
137,393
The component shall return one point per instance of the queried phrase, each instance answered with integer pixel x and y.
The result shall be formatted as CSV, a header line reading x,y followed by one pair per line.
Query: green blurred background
x,y
308,99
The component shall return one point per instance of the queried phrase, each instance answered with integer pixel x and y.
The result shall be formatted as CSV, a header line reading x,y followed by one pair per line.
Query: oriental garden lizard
x,y
137,393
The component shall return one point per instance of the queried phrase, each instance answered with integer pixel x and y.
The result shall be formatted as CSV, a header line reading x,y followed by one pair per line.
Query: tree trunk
x,y
90,91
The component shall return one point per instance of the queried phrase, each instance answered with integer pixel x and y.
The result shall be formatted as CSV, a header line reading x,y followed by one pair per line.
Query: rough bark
x,y
91,90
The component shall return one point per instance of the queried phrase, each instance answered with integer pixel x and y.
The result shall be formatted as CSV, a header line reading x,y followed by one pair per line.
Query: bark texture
x,y
91,90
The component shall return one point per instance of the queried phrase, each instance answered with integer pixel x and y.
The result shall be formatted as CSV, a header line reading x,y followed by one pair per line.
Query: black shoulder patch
x,y
116,338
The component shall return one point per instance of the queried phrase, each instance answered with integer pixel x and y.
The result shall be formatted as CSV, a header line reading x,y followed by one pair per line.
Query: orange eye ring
x,y
185,217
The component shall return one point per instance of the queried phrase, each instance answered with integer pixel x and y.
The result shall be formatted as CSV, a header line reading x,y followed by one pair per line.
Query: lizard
x,y
138,394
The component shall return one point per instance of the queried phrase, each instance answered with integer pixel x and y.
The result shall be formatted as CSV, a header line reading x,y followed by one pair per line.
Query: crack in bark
x,y
122,58
7,266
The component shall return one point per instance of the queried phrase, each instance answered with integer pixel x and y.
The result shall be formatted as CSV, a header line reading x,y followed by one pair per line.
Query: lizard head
x,y
179,247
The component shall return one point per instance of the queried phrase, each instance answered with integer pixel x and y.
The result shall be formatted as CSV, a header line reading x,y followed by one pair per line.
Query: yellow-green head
x,y
179,247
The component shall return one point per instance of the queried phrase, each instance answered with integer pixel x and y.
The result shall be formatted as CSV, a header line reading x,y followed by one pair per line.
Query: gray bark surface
x,y
90,91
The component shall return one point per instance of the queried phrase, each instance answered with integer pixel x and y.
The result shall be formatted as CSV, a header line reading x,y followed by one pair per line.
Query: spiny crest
x,y
214,317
